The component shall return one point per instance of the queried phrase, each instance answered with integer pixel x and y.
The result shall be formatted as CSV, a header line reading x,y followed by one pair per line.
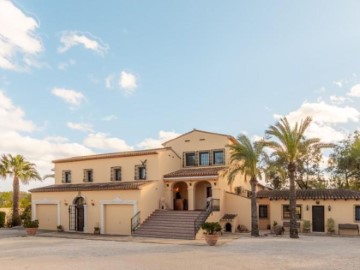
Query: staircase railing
x,y
214,205
135,222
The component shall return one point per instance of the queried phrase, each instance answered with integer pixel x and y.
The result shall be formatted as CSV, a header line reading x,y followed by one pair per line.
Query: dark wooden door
x,y
318,219
80,218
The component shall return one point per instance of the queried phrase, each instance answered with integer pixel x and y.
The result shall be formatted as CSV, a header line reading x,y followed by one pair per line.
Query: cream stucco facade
x,y
110,191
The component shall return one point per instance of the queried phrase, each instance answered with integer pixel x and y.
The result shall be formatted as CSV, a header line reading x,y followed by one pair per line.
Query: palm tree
x,y
289,146
21,170
245,158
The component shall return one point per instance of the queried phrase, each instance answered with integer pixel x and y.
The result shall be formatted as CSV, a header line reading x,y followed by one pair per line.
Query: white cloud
x,y
163,136
109,118
354,91
325,118
128,82
12,117
325,113
338,83
69,96
18,42
324,132
70,39
37,150
102,141
84,127
65,65
337,100
109,81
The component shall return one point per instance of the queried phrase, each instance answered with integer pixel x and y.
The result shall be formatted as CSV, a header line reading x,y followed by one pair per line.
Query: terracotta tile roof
x,y
131,185
188,172
228,217
114,155
313,194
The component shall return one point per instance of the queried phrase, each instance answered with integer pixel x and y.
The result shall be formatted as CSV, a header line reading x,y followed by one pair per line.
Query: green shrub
x,y
211,227
2,219
28,223
330,225
306,224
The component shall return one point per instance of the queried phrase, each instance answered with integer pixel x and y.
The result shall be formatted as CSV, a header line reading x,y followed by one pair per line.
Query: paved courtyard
x,y
49,252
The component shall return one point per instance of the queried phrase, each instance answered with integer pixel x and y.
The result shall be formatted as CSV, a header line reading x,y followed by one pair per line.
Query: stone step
x,y
169,224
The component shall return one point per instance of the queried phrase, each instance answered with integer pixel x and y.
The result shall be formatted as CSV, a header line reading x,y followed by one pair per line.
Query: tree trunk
x,y
16,221
292,201
254,215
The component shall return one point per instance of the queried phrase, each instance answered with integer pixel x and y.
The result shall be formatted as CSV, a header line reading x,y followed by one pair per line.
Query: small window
x,y
142,173
115,173
190,159
66,177
286,211
357,212
218,157
88,175
263,211
204,158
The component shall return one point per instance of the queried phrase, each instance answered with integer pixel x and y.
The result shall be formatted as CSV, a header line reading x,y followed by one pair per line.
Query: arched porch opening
x,y
202,194
77,214
180,196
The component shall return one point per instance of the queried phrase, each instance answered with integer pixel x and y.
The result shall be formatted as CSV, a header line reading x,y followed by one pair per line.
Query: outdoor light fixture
x,y
307,207
65,202
92,202
329,207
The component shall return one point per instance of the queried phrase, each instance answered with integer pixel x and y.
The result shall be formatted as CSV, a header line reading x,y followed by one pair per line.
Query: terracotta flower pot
x,y
211,239
31,231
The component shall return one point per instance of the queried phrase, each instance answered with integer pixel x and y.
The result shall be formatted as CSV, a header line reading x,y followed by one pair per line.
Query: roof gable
x,y
231,138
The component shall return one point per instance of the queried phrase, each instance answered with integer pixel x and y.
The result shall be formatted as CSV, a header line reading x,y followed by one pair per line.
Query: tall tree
x,y
245,158
344,163
288,146
21,170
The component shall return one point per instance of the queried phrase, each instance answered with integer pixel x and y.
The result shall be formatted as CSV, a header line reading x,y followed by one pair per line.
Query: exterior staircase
x,y
172,224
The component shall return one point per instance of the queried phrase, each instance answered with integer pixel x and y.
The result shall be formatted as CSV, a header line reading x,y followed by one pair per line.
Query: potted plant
x,y
60,228
96,230
211,233
306,224
31,226
330,226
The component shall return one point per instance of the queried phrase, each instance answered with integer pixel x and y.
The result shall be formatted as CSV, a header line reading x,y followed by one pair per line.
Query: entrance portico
x,y
191,189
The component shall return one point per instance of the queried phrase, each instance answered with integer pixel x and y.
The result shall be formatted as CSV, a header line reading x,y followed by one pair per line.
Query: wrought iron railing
x,y
213,205
135,222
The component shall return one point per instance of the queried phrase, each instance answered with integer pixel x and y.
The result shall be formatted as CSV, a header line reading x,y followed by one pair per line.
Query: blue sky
x,y
81,77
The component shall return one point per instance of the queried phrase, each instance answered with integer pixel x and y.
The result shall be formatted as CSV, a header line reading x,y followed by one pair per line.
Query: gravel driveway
x,y
308,252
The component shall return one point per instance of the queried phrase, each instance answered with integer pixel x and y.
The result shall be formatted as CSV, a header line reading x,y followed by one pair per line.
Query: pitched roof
x,y
313,194
131,185
231,138
189,172
113,155
228,217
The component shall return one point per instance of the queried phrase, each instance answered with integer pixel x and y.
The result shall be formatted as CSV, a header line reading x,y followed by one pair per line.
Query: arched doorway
x,y
203,191
77,215
180,195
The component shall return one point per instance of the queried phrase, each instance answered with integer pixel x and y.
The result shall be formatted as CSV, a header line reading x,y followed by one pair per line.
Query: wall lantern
x,y
92,203
307,207
65,203
329,207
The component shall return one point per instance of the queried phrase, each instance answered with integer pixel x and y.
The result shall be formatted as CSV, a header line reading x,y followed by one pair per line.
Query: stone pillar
x,y
191,199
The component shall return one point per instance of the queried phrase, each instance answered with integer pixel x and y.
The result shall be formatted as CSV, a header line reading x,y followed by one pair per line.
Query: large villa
x,y
171,191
